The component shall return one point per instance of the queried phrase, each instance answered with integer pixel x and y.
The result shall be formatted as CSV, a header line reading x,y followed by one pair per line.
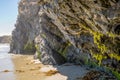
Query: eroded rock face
x,y
74,30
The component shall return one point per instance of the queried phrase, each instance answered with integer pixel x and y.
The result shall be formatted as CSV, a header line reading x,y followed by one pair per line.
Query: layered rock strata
x,y
77,31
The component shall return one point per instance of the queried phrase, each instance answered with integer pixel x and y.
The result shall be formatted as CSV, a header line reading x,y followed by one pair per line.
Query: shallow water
x,y
6,63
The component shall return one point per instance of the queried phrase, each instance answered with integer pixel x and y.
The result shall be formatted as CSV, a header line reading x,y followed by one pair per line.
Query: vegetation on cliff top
x,y
5,39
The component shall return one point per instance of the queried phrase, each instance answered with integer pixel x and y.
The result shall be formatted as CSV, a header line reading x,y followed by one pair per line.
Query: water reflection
x,y
6,63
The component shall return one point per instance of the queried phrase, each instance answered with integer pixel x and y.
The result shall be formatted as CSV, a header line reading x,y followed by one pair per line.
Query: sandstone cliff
x,y
77,31
5,39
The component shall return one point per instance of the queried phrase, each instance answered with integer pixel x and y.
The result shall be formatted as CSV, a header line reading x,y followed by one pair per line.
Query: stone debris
x,y
51,72
20,71
47,69
97,75
6,71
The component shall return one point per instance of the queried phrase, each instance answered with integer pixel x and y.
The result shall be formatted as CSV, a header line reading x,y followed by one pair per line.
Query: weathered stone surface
x,y
97,75
76,30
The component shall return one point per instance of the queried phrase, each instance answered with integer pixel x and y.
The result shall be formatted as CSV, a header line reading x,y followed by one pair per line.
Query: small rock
x,y
6,71
51,72
97,75
20,71
32,69
47,69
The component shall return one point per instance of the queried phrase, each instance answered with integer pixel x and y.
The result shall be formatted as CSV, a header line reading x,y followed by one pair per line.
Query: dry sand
x,y
28,69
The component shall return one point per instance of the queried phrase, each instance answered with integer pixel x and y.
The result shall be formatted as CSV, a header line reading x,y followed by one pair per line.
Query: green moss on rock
x,y
29,47
38,51
63,50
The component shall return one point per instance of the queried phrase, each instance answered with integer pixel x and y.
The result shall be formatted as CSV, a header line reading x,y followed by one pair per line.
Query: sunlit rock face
x,y
77,31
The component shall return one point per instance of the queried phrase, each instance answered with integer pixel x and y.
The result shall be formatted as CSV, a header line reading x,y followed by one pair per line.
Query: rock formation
x,y
5,39
77,31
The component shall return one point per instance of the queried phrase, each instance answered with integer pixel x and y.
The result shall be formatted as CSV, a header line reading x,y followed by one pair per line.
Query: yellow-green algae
x,y
109,46
29,47
103,48
63,50
38,51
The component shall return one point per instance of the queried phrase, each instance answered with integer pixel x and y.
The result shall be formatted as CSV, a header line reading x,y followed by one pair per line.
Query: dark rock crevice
x,y
117,29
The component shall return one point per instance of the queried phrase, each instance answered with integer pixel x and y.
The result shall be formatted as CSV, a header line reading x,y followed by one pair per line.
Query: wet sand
x,y
26,68
6,64
6,69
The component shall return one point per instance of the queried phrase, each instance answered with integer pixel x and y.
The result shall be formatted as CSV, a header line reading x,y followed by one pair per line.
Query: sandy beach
x,y
26,68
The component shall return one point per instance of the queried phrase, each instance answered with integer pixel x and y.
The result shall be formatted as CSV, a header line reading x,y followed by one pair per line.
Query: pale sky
x,y
8,16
